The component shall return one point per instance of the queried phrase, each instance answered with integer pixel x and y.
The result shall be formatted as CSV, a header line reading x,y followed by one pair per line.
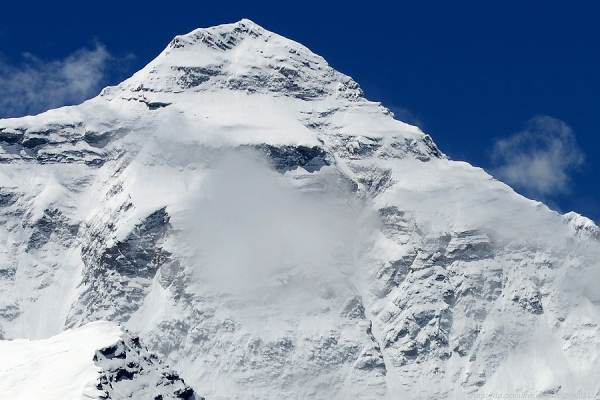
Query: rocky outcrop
x,y
117,275
128,370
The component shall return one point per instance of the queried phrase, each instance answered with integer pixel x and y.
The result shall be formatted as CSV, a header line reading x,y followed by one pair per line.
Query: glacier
x,y
267,232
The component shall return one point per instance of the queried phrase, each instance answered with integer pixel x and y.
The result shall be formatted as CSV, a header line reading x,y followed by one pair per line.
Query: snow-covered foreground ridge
x,y
95,361
269,233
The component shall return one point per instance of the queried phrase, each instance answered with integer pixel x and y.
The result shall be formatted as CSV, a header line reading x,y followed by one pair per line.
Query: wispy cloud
x,y
405,115
35,85
540,159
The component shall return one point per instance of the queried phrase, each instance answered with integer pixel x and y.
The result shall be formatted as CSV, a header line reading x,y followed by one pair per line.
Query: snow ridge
x,y
95,361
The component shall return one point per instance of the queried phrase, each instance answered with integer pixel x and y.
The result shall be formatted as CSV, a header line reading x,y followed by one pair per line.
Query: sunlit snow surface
x,y
272,234
60,367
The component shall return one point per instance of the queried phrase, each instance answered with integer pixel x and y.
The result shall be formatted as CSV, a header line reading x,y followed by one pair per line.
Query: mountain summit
x,y
252,221
241,56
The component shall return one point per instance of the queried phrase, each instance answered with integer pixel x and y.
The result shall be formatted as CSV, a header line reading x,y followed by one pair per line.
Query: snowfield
x,y
57,368
239,207
95,361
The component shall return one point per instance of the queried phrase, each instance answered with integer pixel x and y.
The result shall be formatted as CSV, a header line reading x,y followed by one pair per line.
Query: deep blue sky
x,y
469,73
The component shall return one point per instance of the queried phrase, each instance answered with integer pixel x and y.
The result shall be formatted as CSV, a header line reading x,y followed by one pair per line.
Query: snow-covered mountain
x,y
269,233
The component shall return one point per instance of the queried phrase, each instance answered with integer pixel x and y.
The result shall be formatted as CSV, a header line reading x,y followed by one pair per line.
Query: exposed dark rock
x,y
371,358
117,274
185,393
138,254
190,77
103,138
532,303
123,374
53,222
9,312
111,352
155,105
53,143
11,136
375,180
34,141
433,149
287,158
7,198
128,370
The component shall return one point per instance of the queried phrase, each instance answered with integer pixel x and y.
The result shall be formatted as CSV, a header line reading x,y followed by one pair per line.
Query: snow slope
x,y
270,233
95,361
56,368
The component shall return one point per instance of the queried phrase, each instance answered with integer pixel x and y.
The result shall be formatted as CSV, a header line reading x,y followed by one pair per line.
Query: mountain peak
x,y
271,89
220,36
241,56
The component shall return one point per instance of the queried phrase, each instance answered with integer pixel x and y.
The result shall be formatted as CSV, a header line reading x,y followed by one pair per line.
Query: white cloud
x,y
254,228
36,85
539,159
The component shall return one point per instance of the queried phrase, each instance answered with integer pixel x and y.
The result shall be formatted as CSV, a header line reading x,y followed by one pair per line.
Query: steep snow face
x,y
272,234
95,361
